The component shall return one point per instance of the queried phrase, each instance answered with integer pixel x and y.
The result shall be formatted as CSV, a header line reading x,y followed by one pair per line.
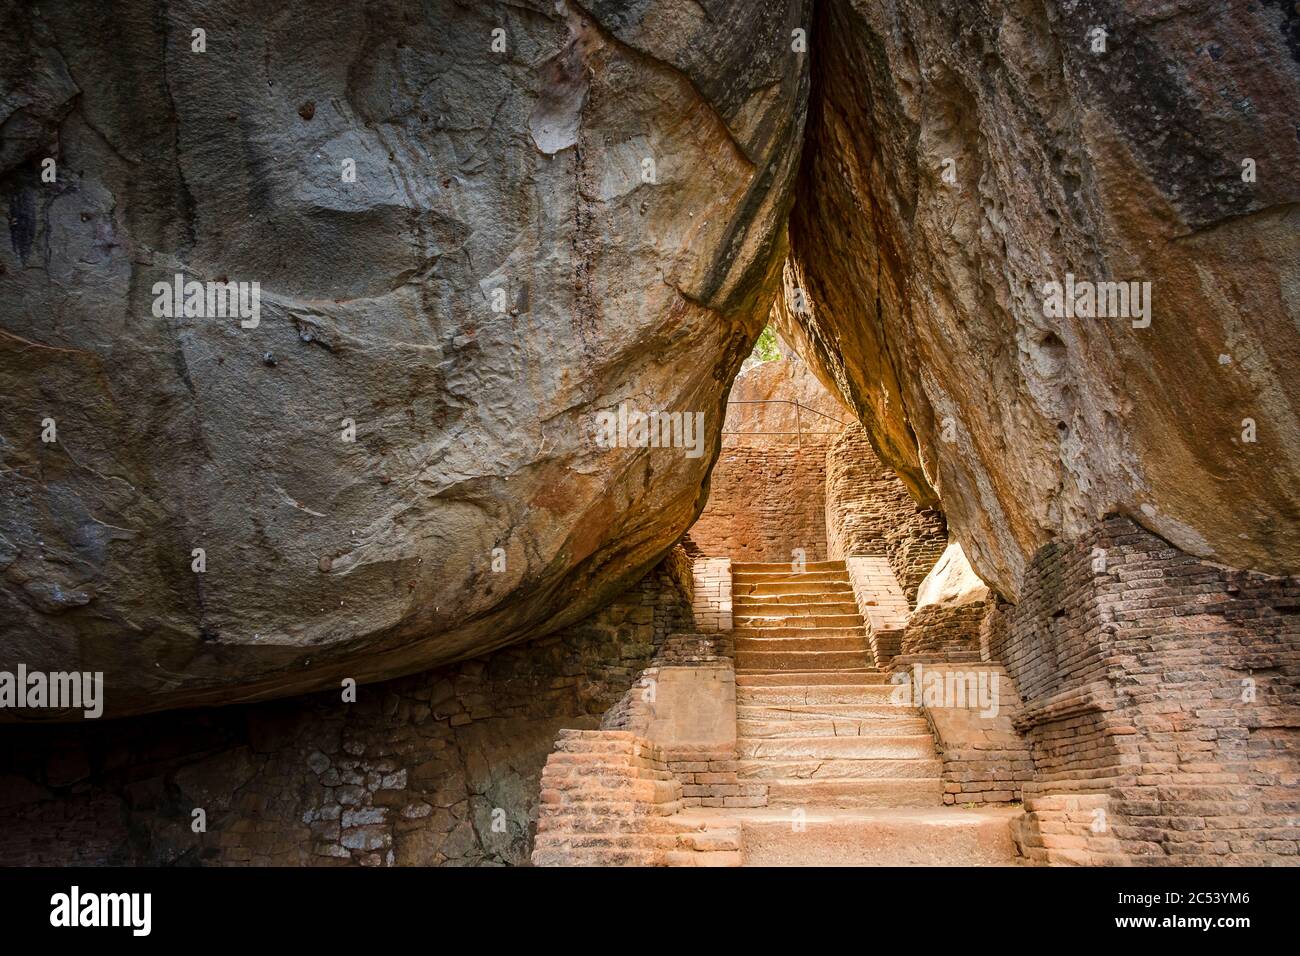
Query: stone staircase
x,y
850,776
814,718
829,771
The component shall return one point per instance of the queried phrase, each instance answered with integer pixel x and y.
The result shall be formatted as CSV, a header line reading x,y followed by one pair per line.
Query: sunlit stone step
x,y
770,589
779,678
802,660
788,577
762,567
751,641
752,600
866,748
857,693
761,622
866,792
827,768
753,726
893,836
806,609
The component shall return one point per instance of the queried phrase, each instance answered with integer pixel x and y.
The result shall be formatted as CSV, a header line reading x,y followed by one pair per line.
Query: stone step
x,y
856,693
822,678
710,839
559,821
762,621
601,808
747,567
751,728
787,577
672,836
616,841
801,660
835,642
798,613
794,599
837,768
567,856
800,631
759,607
868,710
941,836
718,858
618,856
891,747
863,792
770,589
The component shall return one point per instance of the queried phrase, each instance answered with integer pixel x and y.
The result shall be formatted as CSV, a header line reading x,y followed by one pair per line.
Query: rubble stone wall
x,y
437,768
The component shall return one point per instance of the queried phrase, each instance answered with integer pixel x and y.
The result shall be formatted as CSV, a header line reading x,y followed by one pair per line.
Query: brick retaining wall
x,y
711,600
985,760
870,512
608,799
943,633
1161,702
764,502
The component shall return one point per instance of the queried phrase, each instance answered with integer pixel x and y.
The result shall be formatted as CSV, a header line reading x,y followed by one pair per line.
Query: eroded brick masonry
x,y
764,502
1161,702
869,511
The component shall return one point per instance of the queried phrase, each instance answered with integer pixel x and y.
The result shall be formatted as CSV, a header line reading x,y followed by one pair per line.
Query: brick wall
x,y
711,599
608,799
1161,703
943,633
869,511
650,706
984,759
832,498
764,502
881,602
436,768
685,703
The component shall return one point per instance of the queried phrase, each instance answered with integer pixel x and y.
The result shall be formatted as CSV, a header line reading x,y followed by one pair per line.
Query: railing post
x,y
798,417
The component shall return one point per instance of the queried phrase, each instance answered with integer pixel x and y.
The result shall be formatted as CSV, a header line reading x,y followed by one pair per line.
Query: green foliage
x,y
767,348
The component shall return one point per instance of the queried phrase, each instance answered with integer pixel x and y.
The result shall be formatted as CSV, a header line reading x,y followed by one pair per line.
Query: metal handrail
x,y
798,417
785,401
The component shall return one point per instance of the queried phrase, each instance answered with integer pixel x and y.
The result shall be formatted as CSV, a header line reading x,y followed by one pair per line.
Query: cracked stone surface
x,y
925,297
499,272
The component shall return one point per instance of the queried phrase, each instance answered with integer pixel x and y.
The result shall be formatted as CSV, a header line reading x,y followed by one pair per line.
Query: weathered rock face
x,y
951,582
926,298
578,211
